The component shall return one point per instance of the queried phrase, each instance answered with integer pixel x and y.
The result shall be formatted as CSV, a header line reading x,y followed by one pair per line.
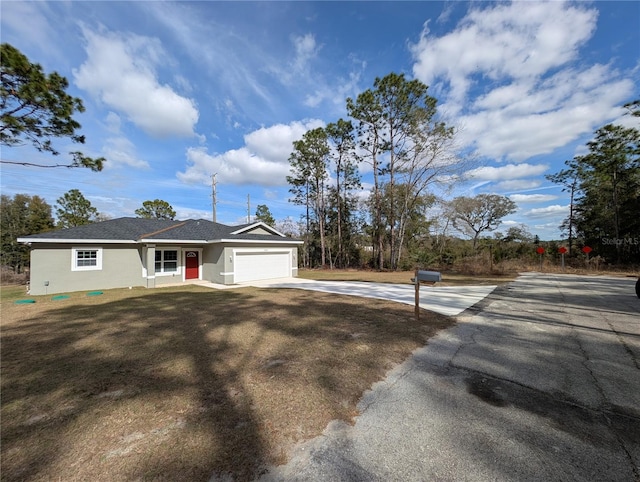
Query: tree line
x,y
604,190
23,215
393,131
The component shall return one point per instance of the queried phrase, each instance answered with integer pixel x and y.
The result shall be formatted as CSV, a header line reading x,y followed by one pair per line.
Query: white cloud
x,y
252,72
113,122
263,160
335,93
517,185
509,223
234,62
510,171
532,198
305,50
121,151
270,194
275,143
541,119
36,31
117,148
183,83
547,226
190,213
447,10
516,40
120,70
554,210
537,96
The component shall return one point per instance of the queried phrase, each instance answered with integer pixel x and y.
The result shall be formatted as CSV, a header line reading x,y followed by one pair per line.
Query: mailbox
x,y
422,276
428,276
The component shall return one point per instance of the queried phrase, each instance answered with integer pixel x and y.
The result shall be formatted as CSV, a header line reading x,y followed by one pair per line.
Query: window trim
x,y
178,261
74,258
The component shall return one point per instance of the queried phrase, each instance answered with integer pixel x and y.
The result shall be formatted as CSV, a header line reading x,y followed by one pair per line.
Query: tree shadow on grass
x,y
99,359
163,384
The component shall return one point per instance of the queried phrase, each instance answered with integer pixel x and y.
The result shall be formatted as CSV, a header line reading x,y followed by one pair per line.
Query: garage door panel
x,y
258,266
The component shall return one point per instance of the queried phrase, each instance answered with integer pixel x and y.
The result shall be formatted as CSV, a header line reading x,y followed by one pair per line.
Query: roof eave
x,y
156,241
256,241
255,225
75,241
173,241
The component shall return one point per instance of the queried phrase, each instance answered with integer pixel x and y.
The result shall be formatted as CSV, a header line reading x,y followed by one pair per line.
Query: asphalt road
x,y
540,381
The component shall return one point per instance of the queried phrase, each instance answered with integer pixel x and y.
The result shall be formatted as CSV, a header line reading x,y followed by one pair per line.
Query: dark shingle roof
x,y
192,230
137,229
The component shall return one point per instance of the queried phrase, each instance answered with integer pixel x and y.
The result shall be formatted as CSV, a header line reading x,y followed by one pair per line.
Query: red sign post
x,y
562,250
540,251
586,250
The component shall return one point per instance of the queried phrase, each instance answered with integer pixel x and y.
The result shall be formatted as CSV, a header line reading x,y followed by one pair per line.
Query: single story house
x,y
127,252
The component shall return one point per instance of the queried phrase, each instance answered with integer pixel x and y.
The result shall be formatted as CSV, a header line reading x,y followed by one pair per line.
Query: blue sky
x,y
175,92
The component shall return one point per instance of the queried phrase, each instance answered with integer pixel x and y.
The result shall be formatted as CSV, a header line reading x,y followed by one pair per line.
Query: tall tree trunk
x,y
307,247
616,215
377,221
379,232
402,227
573,190
339,206
392,206
321,221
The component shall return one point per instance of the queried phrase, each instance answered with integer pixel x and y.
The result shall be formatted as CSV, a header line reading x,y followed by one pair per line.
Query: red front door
x,y
192,264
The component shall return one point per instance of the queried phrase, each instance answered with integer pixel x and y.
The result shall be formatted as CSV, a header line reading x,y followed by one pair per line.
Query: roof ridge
x,y
168,228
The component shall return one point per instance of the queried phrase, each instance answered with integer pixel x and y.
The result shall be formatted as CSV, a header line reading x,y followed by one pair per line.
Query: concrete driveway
x,y
541,381
448,300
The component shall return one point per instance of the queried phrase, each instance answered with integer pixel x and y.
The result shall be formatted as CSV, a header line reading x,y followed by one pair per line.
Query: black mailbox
x,y
428,276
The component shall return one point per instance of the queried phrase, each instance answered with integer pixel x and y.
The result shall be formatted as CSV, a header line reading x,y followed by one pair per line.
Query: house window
x,y
166,261
86,259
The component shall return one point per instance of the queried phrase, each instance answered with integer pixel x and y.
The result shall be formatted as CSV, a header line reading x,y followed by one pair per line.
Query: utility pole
x,y
248,208
213,195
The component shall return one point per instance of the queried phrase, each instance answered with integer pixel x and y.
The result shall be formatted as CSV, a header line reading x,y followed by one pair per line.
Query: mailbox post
x,y
416,283
427,277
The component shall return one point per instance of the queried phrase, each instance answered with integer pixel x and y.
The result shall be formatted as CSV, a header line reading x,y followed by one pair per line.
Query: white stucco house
x,y
127,252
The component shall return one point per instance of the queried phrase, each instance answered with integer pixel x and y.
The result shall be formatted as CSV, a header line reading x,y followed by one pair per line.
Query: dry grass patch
x,y
181,383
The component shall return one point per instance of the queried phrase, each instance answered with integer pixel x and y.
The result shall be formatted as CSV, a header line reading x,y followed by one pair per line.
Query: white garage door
x,y
257,266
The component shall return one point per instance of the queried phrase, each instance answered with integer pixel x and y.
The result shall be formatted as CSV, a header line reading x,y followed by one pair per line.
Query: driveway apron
x,y
540,381
447,300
